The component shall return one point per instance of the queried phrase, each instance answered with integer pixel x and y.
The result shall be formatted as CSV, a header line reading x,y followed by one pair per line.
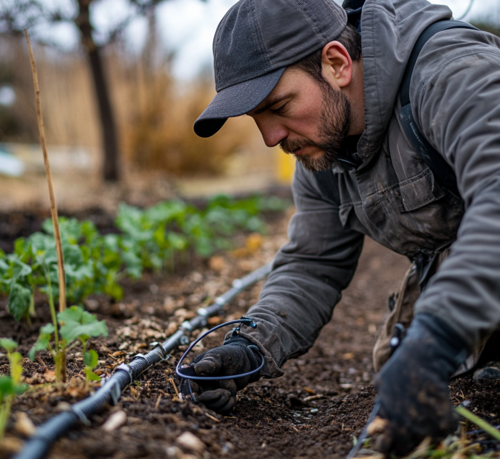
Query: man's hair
x,y
312,64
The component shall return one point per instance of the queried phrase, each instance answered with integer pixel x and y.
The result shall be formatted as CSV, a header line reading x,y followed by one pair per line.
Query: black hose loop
x,y
189,377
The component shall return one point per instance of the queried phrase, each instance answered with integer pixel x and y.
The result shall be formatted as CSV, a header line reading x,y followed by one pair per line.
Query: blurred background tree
x,y
154,118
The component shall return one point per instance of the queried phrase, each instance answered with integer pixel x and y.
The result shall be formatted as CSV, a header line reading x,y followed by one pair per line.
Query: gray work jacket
x,y
392,196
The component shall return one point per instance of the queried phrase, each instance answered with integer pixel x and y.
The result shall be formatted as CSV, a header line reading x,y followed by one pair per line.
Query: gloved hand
x,y
238,355
412,387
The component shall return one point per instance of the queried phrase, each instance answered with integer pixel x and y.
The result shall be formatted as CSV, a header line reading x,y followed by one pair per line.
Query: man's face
x,y
307,119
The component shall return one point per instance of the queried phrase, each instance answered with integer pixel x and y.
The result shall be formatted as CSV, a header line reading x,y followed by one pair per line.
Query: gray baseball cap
x,y
255,42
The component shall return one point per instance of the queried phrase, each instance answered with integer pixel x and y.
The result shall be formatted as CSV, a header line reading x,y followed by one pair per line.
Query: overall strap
x,y
442,171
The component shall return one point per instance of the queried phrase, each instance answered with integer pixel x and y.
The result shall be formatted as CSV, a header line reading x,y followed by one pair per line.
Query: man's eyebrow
x,y
269,104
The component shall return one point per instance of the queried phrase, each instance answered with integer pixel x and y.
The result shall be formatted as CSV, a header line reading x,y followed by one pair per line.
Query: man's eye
x,y
280,109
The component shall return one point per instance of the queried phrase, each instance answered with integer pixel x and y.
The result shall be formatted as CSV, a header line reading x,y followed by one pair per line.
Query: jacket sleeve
x,y
456,101
308,275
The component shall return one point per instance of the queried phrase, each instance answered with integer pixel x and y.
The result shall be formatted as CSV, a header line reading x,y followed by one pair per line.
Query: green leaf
x,y
77,323
91,359
42,343
20,388
6,387
19,301
8,344
91,375
47,329
72,254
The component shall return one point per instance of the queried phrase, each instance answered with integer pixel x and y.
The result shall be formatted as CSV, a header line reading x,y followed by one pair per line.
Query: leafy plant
x,y
10,386
73,325
153,239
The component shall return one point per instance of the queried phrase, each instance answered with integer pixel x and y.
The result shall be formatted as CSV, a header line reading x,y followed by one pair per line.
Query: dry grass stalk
x,y
53,207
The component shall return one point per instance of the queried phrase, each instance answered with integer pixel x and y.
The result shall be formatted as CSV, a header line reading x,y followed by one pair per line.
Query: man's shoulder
x,y
447,48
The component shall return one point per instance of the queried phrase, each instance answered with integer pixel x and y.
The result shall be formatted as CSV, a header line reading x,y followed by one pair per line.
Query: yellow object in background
x,y
285,166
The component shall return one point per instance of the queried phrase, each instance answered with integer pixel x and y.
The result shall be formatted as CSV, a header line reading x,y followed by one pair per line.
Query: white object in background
x,y
10,165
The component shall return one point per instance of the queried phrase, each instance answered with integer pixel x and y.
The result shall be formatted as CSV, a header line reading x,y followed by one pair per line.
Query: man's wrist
x,y
429,330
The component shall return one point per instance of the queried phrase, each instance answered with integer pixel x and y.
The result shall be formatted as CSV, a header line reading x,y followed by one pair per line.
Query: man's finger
x,y
209,365
218,400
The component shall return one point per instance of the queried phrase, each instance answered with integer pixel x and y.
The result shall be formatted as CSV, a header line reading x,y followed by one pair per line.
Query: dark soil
x,y
314,410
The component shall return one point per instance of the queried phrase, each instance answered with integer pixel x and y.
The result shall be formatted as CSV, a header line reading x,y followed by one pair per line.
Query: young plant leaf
x,y
19,301
91,358
77,323
42,343
8,344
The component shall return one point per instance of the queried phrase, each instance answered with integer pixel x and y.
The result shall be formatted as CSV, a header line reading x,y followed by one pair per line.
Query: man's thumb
x,y
209,365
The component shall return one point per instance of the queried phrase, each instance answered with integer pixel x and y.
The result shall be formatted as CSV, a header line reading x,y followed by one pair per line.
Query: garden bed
x,y
323,400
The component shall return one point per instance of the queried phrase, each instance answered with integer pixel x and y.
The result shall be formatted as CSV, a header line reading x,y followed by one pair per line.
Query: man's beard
x,y
334,127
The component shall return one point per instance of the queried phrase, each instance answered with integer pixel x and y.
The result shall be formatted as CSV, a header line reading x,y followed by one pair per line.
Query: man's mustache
x,y
291,146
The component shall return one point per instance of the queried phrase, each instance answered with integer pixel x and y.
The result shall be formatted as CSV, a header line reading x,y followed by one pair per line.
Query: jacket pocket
x,y
419,191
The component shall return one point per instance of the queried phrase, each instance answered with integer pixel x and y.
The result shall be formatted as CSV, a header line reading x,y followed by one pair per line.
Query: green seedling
x,y
10,386
156,239
74,325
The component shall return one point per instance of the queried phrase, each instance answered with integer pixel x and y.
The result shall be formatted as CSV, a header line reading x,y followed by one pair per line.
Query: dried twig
x,y
213,418
171,381
53,207
158,402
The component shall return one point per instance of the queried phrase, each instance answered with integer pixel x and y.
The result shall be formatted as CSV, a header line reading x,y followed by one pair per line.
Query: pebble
x,y
189,441
115,421
314,411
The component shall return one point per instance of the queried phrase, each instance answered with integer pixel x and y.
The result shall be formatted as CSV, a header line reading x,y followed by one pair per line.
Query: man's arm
x,y
456,99
308,275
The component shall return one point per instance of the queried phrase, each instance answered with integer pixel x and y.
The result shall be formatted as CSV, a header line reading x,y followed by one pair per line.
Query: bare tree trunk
x,y
111,170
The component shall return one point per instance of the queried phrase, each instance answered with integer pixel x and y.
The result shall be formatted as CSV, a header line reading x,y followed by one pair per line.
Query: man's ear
x,y
336,64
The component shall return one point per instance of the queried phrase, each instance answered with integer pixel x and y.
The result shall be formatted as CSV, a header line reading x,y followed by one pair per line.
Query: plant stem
x,y
84,351
481,423
59,352
4,414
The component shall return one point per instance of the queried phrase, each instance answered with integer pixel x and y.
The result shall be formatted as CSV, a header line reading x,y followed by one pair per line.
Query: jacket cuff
x,y
262,338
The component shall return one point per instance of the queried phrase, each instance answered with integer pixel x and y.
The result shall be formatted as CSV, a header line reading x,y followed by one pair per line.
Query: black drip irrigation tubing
x,y
39,444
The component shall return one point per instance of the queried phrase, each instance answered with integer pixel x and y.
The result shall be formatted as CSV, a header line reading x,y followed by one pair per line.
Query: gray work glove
x,y
412,387
236,356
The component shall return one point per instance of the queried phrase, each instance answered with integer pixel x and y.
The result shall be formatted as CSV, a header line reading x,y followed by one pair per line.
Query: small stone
x,y
24,425
115,421
63,406
314,411
189,441
173,452
346,386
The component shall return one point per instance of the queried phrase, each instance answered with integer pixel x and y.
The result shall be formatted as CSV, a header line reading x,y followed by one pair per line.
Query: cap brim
x,y
235,101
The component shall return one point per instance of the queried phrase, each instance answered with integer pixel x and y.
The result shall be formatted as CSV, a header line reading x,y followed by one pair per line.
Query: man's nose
x,y
272,133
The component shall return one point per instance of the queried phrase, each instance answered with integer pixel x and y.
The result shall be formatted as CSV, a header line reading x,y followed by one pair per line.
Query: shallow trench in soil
x,y
314,410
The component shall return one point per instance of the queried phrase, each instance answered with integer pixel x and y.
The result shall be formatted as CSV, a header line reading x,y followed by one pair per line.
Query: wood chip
x,y
115,421
24,425
377,426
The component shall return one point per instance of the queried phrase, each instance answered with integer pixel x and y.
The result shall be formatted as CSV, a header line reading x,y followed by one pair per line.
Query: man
x,y
329,94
